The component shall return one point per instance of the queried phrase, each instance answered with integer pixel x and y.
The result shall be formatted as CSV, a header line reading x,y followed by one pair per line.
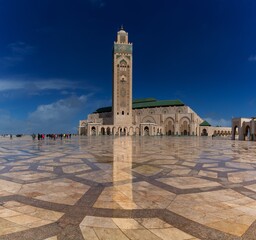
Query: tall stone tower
x,y
122,80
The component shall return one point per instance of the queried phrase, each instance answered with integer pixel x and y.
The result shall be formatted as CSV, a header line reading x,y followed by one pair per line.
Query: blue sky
x,y
56,58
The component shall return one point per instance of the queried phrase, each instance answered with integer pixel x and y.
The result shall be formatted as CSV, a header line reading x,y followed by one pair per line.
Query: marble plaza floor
x,y
138,188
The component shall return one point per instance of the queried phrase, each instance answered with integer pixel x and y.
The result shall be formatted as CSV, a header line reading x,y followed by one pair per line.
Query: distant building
x,y
244,128
147,116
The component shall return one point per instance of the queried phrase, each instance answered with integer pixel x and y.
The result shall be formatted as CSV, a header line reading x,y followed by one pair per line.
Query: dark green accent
x,y
118,56
104,109
147,103
161,103
205,124
141,100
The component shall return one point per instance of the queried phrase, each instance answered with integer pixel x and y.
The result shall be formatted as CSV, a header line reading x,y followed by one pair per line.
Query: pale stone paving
x,y
127,188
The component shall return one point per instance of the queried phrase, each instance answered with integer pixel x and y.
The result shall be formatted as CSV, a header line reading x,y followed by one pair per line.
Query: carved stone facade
x,y
244,129
143,116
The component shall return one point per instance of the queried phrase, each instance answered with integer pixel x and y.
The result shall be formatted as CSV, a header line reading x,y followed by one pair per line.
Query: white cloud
x,y
38,84
219,122
59,116
252,58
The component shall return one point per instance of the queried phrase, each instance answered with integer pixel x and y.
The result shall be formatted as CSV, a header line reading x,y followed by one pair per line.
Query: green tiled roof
x,y
161,103
140,100
205,124
104,109
147,103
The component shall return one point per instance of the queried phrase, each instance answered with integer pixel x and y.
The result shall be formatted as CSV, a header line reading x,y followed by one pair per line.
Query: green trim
x,y
140,100
147,103
205,124
161,103
104,109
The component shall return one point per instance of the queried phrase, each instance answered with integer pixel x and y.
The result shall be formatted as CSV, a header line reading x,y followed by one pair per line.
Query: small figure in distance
x,y
33,136
10,136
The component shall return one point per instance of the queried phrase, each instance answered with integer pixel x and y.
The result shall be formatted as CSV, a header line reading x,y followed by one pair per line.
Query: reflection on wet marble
x,y
127,188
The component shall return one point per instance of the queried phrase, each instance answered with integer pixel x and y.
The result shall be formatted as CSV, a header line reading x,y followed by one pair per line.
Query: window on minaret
x,y
123,67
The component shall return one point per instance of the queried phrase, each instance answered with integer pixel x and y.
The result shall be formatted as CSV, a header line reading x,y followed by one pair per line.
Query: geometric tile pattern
x,y
180,188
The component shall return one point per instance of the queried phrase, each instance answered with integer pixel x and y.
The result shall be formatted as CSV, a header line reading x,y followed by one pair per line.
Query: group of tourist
x,y
51,136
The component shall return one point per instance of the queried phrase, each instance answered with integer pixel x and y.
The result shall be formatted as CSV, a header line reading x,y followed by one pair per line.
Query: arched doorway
x,y
169,126
235,133
204,132
121,132
247,133
93,132
102,131
184,126
108,131
146,131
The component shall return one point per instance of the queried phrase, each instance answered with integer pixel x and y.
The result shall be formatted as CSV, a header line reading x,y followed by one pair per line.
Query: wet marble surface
x,y
180,188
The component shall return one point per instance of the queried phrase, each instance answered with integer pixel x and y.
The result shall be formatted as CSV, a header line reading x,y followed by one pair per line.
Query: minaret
x,y
122,80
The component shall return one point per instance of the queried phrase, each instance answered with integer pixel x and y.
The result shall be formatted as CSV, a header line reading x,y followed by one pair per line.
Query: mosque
x,y
147,116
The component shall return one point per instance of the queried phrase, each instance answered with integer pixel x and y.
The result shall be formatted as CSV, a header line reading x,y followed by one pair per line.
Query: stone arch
x,y
108,131
131,131
120,131
137,131
185,126
148,119
169,126
235,132
114,131
146,131
247,132
125,131
102,131
93,131
122,62
204,132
